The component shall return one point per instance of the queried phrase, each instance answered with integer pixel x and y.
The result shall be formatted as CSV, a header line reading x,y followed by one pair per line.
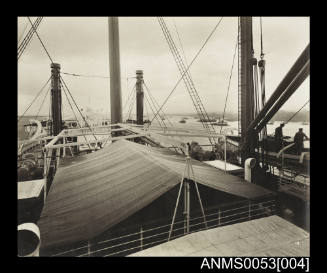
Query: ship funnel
x,y
114,64
28,240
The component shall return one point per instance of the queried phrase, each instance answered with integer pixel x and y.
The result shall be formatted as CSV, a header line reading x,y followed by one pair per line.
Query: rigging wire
x,y
164,125
42,103
130,107
230,78
93,76
188,67
156,105
73,111
129,96
40,40
23,45
297,112
261,40
78,108
34,99
21,36
180,41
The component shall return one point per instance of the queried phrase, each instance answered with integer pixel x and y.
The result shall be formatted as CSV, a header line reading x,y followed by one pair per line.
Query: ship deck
x,y
269,236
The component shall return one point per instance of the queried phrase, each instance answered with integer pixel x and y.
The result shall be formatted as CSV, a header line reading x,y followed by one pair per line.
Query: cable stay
x,y
296,112
92,76
86,123
163,116
229,81
37,95
188,81
160,121
71,107
22,33
129,96
22,46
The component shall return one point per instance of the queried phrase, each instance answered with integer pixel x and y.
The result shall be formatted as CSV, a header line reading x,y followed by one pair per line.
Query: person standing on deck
x,y
298,141
279,137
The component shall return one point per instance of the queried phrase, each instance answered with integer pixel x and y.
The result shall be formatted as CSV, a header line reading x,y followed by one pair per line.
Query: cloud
x,y
80,45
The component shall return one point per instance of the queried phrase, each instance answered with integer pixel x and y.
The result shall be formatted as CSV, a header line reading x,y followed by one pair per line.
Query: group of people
x,y
299,138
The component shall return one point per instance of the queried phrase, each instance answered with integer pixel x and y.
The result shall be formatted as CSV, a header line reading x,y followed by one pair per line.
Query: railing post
x,y
141,232
225,151
45,175
64,151
188,208
219,217
88,248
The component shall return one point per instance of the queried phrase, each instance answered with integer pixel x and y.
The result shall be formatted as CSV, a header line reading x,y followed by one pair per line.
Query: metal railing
x,y
135,241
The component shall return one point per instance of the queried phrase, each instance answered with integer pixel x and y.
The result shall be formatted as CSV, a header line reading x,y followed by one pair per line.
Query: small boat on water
x,y
182,121
220,122
305,123
207,120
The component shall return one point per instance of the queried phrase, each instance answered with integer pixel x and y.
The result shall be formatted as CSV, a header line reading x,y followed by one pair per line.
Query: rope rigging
x,y
185,76
156,105
229,81
22,46
71,107
42,102
40,40
261,40
296,112
93,76
62,80
37,95
129,96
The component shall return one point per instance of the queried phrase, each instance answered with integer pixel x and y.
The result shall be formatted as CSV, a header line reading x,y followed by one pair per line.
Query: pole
x,y
45,176
141,232
139,97
175,210
198,193
187,207
114,64
225,152
245,74
56,102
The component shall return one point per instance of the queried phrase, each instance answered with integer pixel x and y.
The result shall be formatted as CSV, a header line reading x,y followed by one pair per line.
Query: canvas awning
x,y
92,193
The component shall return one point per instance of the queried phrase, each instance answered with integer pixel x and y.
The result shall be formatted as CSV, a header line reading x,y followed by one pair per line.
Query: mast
x,y
245,87
246,99
114,64
56,102
139,97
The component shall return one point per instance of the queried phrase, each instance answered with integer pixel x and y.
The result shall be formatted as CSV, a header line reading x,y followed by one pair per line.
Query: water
x,y
191,123
289,129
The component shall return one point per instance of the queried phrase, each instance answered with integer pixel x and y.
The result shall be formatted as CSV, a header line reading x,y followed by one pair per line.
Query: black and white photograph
x,y
165,137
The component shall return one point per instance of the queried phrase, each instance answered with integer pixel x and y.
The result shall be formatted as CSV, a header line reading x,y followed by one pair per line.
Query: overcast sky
x,y
80,45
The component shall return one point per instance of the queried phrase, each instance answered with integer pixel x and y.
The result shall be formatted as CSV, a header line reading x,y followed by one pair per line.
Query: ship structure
x,y
133,187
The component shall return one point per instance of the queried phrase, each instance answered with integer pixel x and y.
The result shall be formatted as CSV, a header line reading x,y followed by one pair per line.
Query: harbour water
x,y
289,129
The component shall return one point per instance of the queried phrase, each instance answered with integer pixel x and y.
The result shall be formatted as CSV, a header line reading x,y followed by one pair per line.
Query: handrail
x,y
271,206
284,149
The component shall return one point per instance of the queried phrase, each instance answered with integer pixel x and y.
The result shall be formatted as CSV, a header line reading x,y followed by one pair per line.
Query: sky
x,y
80,46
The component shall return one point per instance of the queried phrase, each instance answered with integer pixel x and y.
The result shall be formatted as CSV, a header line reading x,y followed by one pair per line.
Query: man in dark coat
x,y
298,140
279,137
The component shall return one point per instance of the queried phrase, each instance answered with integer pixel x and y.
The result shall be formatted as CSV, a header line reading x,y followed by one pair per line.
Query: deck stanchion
x,y
141,233
219,217
225,152
45,175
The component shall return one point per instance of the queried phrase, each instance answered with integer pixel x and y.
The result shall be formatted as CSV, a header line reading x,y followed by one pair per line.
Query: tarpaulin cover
x,y
92,193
